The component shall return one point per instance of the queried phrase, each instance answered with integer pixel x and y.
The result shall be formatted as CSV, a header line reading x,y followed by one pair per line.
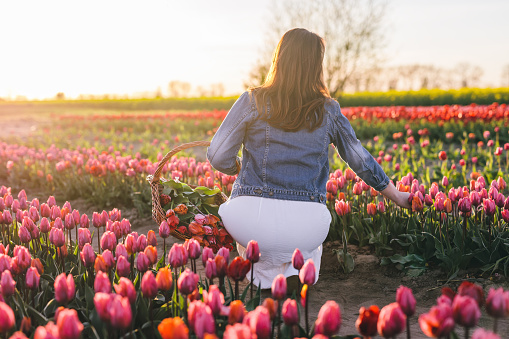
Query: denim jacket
x,y
287,165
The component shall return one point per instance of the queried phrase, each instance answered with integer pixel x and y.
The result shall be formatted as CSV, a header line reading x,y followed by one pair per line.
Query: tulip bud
x,y
497,303
173,328
297,259
123,267
237,311
200,318
87,255
187,282
64,288
259,322
329,319
206,254
391,320
465,311
481,333
238,268
164,279
8,284
164,230
126,289
142,262
24,234
279,287
38,265
7,319
307,273
120,314
108,241
102,302
290,312
84,237
151,253
193,248
149,285
438,322
371,209
367,321
32,278
69,326
56,237
406,300
102,283
84,221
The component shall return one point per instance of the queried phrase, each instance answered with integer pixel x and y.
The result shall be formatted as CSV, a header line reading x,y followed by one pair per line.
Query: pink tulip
x,y
279,287
121,251
210,269
465,310
187,282
69,326
23,256
131,243
32,278
297,259
8,284
45,210
33,214
69,222
87,255
201,319
102,304
141,243
24,234
96,220
7,320
225,253
259,322
237,331
406,300
84,221
176,256
164,230
7,217
102,283
214,299
123,267
149,285
206,254
329,319
120,313
108,241
56,237
109,260
126,289
472,290
84,237
193,248
142,262
5,262
481,333
64,288
290,312
497,303
391,320
489,207
307,273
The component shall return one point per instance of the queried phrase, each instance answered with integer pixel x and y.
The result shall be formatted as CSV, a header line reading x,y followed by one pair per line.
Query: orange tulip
x,y
173,328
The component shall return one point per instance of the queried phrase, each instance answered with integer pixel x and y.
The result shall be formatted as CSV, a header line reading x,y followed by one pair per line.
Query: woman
x,y
285,127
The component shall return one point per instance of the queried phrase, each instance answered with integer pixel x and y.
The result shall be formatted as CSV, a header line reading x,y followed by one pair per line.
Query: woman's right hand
x,y
400,198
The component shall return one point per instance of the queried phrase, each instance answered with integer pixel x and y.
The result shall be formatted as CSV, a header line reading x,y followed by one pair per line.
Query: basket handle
x,y
157,173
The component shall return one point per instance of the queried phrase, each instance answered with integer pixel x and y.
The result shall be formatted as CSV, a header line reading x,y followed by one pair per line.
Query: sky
x,y
128,47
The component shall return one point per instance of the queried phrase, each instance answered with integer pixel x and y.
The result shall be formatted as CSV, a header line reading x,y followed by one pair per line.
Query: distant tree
x,y
60,96
217,90
179,89
468,75
353,32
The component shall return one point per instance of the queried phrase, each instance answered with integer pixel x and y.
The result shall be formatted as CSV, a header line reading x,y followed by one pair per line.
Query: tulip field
x,y
66,273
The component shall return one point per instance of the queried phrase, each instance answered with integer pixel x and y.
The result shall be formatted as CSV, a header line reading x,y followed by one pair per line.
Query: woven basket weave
x,y
158,214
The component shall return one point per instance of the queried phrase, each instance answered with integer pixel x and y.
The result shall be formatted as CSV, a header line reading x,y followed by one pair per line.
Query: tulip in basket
x,y
189,211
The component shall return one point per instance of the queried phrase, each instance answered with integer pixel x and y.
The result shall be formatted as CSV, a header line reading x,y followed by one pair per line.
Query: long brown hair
x,y
294,86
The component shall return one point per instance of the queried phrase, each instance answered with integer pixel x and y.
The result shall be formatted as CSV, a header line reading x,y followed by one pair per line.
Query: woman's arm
x,y
400,198
225,145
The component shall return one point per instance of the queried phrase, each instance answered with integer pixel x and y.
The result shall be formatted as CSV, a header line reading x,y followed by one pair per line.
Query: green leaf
x,y
35,315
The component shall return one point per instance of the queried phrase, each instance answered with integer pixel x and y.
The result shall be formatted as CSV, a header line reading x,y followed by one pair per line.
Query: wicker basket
x,y
158,214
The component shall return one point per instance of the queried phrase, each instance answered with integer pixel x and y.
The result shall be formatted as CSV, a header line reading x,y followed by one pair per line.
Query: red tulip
x,y
290,312
465,310
442,155
238,268
472,290
391,320
8,284
406,300
32,278
297,259
221,265
149,285
438,322
7,319
371,208
187,282
126,289
367,321
69,326
307,273
120,314
64,288
329,319
237,311
164,279
497,303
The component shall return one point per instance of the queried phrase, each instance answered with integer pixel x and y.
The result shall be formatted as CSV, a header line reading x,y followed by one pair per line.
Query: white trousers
x,y
279,227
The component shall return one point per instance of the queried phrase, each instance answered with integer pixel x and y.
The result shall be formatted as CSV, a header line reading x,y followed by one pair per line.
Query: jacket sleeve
x,y
353,153
226,143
